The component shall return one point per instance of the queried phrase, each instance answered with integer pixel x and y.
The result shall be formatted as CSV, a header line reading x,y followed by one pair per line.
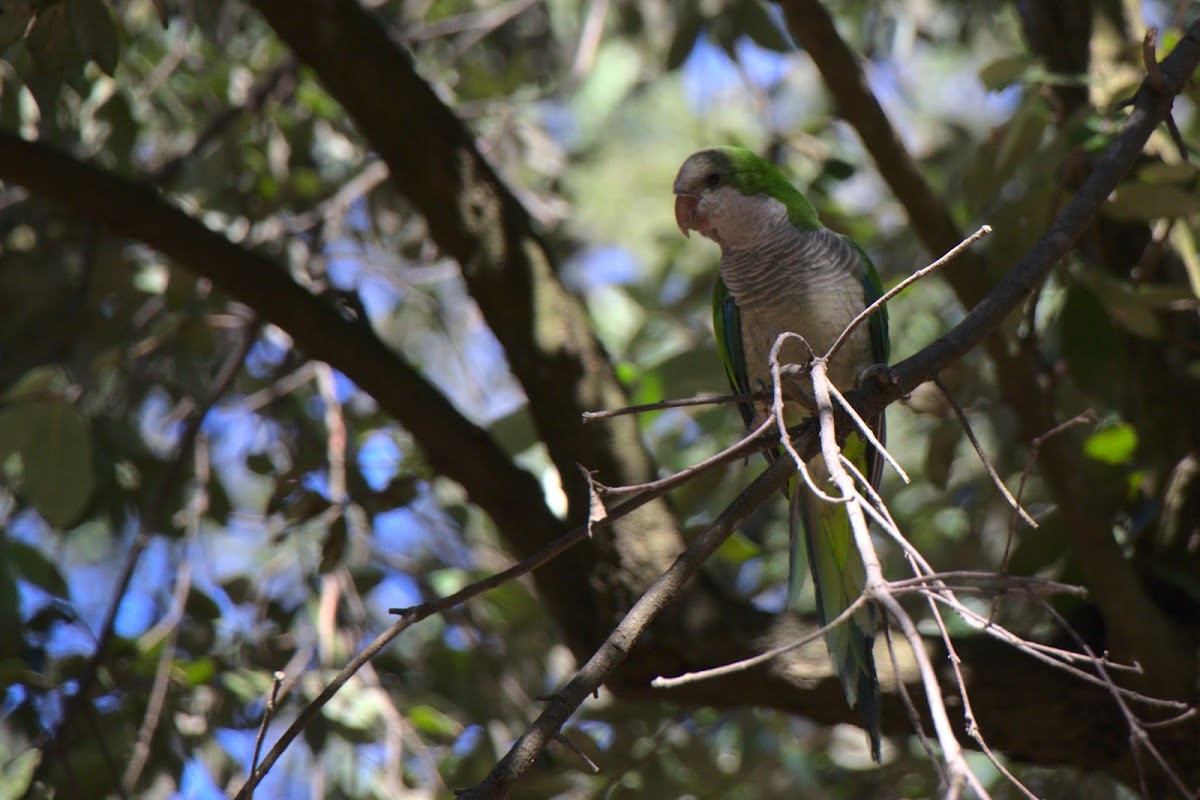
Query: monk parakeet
x,y
782,270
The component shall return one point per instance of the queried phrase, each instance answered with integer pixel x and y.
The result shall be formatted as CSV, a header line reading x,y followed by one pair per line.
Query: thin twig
x,y
1087,416
1150,60
987,463
617,645
778,413
876,587
268,714
910,707
753,661
1139,739
172,474
969,718
566,742
183,586
952,254
865,430
920,584
592,416
1055,657
748,445
415,614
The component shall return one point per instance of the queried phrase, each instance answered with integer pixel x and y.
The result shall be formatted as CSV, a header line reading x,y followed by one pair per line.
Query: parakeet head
x,y
730,195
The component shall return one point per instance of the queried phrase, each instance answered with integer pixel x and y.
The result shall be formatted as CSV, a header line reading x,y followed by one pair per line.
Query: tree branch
x,y
465,453
511,275
1139,630
455,446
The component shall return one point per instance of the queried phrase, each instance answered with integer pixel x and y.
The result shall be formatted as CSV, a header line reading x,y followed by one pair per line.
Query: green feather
x,y
751,174
727,324
819,532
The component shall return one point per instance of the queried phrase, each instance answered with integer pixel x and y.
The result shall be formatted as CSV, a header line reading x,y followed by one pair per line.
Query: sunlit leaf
x,y
738,549
1114,444
1162,172
429,721
195,671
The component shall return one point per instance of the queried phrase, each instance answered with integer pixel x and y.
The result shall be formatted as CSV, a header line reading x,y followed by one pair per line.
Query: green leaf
x,y
1022,136
355,708
14,428
613,75
32,565
1130,310
1090,341
514,432
448,581
14,20
1004,72
53,56
196,672
36,384
57,457
1159,172
1112,445
1134,201
431,722
201,607
751,17
738,549
1184,241
94,32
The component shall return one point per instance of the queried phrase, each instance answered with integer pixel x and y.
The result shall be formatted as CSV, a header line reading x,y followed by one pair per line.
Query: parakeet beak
x,y
685,212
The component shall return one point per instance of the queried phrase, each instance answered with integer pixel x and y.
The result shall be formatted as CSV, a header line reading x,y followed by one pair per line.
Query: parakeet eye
x,y
713,178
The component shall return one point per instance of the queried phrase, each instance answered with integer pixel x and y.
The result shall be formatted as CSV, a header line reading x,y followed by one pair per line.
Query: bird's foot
x,y
878,373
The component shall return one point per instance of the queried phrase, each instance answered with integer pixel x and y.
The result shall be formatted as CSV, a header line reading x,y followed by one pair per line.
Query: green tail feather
x,y
838,580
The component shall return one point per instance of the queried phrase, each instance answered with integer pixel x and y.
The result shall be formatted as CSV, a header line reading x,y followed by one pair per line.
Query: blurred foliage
x,y
106,349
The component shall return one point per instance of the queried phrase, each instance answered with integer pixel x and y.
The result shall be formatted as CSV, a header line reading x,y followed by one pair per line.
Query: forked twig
x,y
268,714
952,254
997,481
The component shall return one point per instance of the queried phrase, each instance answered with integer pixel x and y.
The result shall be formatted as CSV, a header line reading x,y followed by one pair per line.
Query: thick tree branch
x,y
465,453
1138,628
455,446
474,217
1149,110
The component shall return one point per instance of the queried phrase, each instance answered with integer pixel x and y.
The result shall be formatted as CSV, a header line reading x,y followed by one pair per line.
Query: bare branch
x,y
953,253
589,677
268,714
987,463
707,400
169,625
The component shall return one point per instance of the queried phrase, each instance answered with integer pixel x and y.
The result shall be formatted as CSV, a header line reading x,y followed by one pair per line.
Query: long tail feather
x,y
838,580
